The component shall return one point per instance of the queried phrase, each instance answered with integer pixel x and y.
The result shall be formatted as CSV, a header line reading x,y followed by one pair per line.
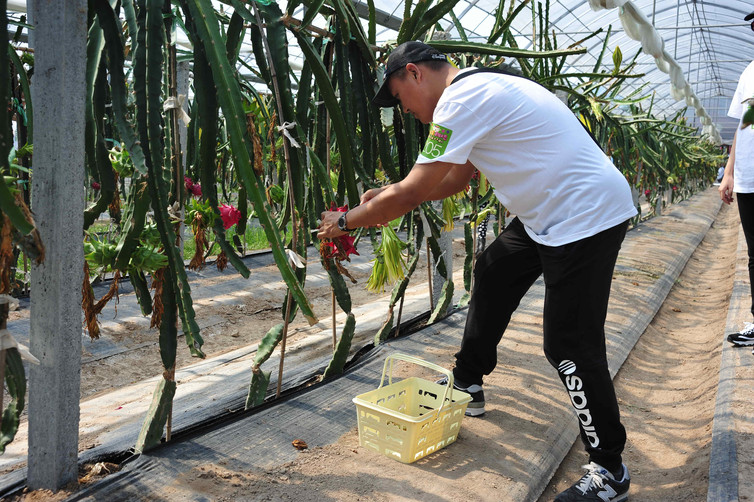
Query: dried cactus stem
x,y
87,304
200,240
91,309
222,261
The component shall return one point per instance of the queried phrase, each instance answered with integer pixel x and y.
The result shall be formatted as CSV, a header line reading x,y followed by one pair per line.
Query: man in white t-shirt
x,y
739,179
572,208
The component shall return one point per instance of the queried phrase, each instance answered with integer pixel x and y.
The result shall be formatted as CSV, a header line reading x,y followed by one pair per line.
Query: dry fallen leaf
x,y
300,444
99,469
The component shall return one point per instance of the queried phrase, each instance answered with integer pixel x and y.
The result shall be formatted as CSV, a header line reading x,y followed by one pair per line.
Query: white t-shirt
x,y
743,170
544,166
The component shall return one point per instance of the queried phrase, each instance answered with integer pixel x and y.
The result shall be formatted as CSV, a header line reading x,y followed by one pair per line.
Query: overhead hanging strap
x,y
287,126
176,103
8,342
638,27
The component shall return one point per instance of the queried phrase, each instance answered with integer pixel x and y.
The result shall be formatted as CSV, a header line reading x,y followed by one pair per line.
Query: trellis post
x,y
182,89
58,91
445,243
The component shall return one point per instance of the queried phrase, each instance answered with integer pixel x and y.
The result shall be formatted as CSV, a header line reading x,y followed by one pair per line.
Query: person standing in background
x,y
739,179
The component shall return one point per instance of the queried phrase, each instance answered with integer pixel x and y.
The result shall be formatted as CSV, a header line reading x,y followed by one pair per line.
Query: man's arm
x,y
456,180
424,182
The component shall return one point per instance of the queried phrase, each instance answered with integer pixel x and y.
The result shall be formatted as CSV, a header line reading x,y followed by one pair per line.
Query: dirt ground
x,y
253,318
229,327
666,389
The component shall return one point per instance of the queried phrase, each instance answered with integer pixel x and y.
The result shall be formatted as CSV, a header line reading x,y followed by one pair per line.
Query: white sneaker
x,y
475,408
743,338
597,485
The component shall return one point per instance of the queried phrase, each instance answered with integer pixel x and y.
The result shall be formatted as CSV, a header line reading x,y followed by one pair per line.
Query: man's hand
x,y
370,194
726,189
328,228
378,206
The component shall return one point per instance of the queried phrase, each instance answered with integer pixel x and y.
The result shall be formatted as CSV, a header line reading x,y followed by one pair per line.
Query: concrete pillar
x,y
635,198
58,90
445,243
446,249
182,89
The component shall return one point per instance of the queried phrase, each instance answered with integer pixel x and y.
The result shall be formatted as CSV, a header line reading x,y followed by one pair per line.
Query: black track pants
x,y
577,287
746,212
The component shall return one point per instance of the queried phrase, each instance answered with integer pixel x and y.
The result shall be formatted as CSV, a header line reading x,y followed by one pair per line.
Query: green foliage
x,y
157,416
443,303
260,380
121,161
399,290
208,35
8,204
198,210
282,159
343,348
15,380
389,262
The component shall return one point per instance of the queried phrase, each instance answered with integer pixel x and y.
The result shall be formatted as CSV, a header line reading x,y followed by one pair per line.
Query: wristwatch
x,y
342,224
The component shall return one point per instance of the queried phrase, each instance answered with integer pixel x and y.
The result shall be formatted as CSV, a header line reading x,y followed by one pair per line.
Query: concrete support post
x,y
182,89
635,198
182,79
445,244
58,91
446,249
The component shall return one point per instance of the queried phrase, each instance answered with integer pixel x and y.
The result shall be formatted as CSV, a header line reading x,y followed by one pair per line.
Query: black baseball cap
x,y
749,18
407,52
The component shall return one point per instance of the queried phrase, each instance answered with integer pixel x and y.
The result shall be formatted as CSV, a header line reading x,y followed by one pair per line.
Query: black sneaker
x,y
475,407
599,485
743,338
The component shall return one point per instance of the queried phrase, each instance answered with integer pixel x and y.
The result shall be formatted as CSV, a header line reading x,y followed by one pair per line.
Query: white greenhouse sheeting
x,y
693,51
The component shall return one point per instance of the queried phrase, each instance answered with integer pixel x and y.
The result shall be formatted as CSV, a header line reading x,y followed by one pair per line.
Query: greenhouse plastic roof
x,y
709,40
692,52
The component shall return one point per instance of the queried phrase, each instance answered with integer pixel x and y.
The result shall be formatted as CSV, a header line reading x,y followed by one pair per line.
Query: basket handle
x,y
421,362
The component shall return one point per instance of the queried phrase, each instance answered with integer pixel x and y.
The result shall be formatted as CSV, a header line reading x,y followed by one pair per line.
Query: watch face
x,y
342,222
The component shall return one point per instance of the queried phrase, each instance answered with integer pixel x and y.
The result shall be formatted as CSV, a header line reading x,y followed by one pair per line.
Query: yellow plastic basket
x,y
412,418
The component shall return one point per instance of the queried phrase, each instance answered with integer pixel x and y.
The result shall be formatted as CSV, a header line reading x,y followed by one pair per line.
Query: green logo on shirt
x,y
437,141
